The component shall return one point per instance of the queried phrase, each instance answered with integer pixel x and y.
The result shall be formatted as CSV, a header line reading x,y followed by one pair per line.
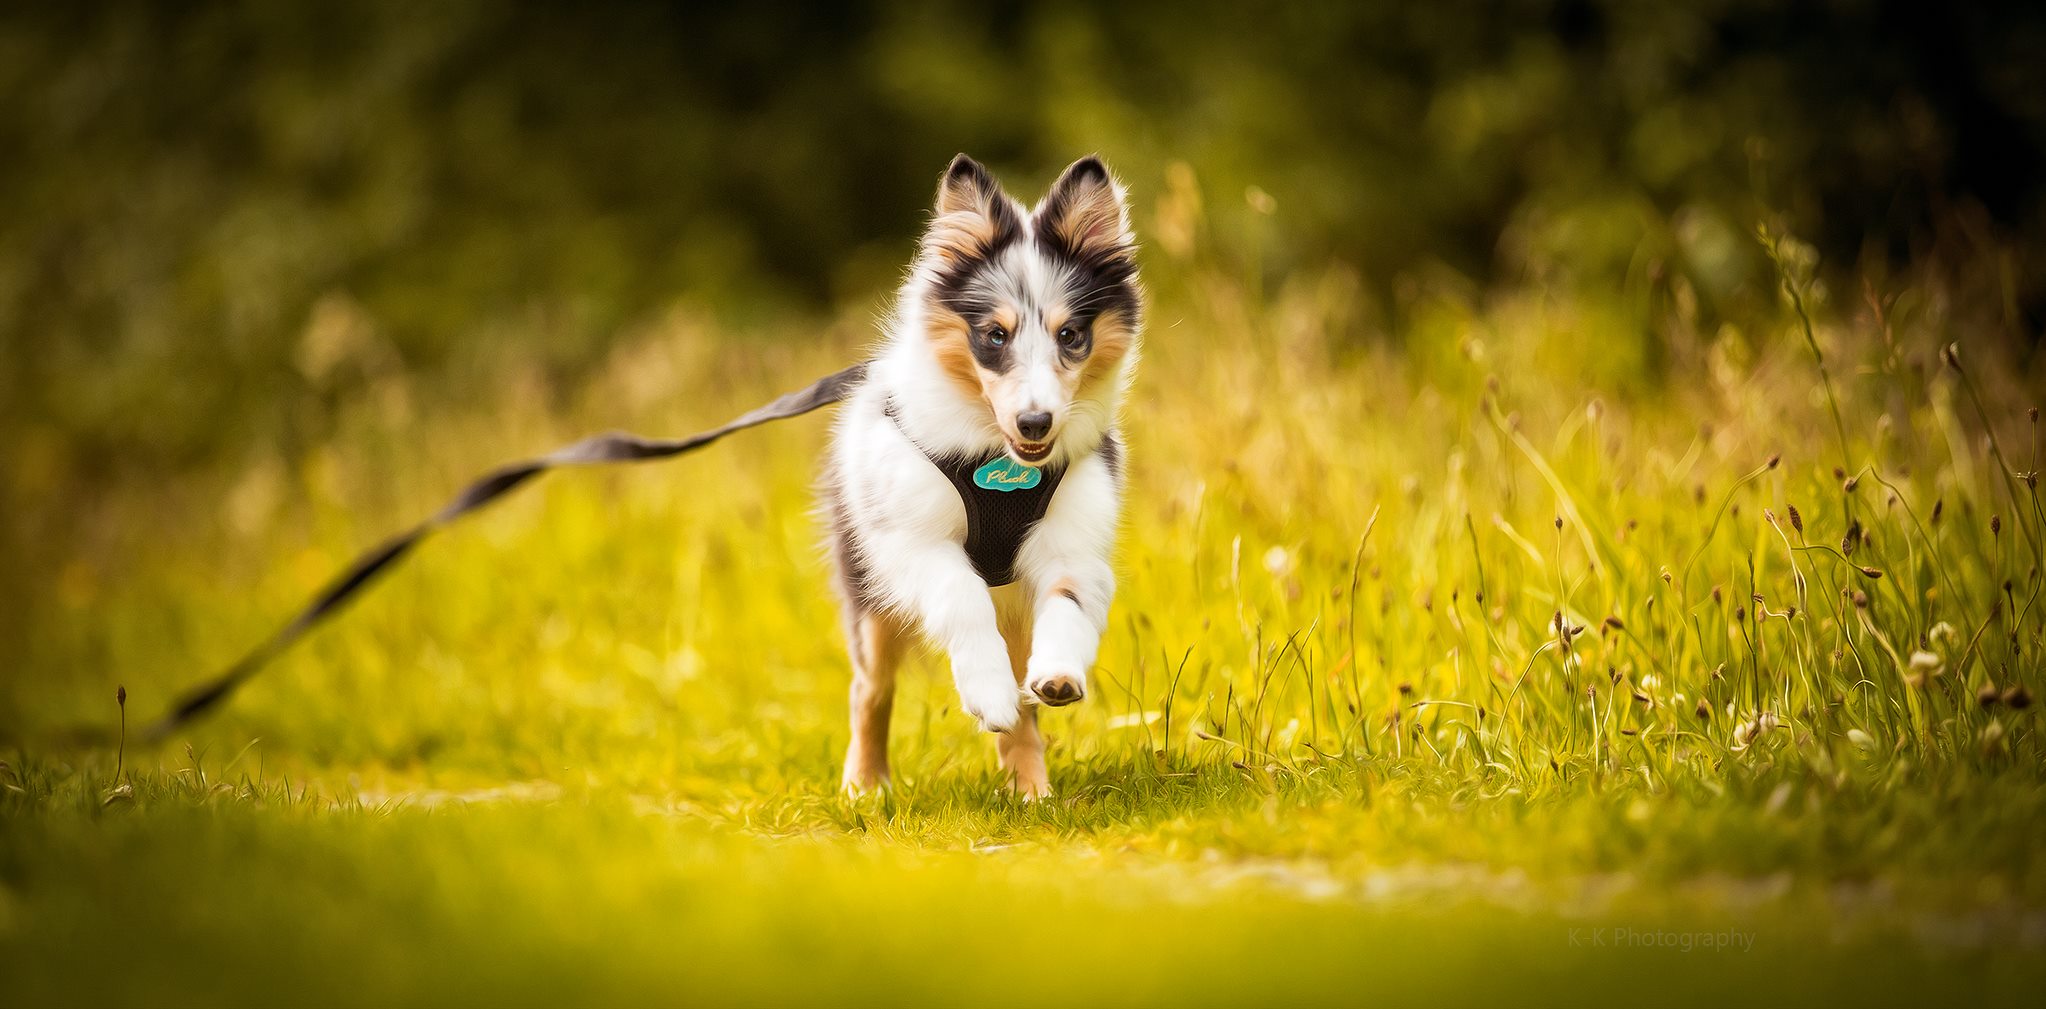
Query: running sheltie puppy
x,y
975,475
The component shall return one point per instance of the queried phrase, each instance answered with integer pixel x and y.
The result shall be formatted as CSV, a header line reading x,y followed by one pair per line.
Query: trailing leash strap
x,y
603,448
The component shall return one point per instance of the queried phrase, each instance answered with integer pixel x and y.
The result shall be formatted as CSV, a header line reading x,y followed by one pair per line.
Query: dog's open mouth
x,y
1033,453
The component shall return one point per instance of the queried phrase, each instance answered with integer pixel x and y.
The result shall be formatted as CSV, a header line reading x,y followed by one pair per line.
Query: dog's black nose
x,y
1033,426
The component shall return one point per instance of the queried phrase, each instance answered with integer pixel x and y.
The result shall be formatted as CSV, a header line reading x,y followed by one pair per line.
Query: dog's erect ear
x,y
966,187
973,216
1085,211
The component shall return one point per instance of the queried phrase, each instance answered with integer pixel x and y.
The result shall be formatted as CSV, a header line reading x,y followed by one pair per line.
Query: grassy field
x,y
1505,655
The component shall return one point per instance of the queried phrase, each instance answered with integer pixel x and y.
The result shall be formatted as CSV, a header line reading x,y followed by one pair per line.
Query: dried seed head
x,y
1406,688
1950,355
1871,573
1992,740
1559,521
121,695
1852,482
1716,597
1988,697
1860,600
1995,525
1614,623
1774,458
1938,507
1850,542
1796,520
1839,474
2018,698
1753,729
2034,414
1703,710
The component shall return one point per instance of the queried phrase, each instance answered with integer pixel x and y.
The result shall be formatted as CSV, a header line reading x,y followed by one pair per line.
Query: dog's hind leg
x,y
1022,748
876,643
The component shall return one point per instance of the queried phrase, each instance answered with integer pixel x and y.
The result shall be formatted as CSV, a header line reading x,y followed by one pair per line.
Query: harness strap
x,y
603,448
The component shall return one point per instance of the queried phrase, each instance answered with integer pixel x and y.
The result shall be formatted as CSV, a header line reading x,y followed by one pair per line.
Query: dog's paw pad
x,y
1058,691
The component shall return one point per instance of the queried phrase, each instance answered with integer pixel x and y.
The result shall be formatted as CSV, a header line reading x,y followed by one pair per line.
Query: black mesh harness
x,y
996,520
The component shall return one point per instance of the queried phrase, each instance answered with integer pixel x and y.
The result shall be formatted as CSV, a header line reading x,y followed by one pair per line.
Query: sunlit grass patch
x,y
500,900
1475,614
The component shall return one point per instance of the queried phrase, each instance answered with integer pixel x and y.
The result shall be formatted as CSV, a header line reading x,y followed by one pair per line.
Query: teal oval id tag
x,y
1005,474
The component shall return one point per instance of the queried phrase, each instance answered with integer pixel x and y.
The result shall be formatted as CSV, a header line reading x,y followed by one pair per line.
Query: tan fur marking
x,y
1065,587
877,647
1022,749
1093,220
949,345
960,234
959,195
1113,339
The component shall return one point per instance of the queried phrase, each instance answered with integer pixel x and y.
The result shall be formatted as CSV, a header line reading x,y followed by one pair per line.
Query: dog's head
x,y
1033,312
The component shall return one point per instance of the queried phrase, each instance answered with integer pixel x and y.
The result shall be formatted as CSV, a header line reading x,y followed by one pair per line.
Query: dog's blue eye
x,y
997,335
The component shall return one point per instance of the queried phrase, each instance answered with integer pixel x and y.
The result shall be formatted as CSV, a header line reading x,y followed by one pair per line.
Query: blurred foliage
x,y
199,199
1512,378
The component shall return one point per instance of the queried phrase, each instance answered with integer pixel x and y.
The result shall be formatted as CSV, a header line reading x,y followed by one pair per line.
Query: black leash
x,y
604,448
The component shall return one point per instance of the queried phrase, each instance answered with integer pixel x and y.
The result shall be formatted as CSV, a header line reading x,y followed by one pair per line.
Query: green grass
x,y
1432,647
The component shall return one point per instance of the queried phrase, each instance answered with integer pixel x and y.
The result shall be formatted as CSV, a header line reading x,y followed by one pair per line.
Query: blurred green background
x,y
1469,408
184,184
224,224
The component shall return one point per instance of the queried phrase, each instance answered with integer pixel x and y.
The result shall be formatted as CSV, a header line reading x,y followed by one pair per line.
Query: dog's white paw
x,y
992,699
1055,684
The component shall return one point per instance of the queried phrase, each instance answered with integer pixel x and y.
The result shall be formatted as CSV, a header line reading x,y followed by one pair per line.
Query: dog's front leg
x,y
1072,612
951,603
1066,560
